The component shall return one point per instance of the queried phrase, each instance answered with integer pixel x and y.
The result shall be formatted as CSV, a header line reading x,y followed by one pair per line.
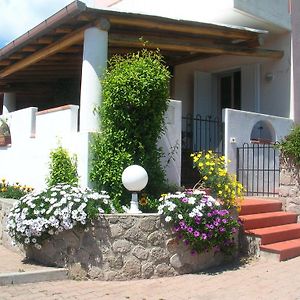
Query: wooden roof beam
x,y
171,26
188,46
63,43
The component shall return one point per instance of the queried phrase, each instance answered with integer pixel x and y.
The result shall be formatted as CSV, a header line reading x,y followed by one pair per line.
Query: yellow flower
x,y
207,156
200,164
205,178
220,192
3,180
143,201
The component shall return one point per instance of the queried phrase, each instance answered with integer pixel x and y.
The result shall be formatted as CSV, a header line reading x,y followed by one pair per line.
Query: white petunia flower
x,y
168,219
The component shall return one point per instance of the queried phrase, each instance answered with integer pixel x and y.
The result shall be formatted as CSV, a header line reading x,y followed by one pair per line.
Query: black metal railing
x,y
198,134
202,133
258,169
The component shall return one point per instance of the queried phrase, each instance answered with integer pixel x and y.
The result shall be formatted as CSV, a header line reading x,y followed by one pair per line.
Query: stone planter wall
x,y
5,240
289,191
120,247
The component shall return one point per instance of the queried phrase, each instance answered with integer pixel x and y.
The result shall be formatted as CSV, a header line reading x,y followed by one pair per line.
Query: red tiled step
x,y
285,250
268,219
255,206
276,234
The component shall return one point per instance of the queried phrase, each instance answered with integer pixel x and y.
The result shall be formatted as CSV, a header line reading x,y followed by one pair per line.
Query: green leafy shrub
x,y
39,215
135,93
13,191
290,145
63,167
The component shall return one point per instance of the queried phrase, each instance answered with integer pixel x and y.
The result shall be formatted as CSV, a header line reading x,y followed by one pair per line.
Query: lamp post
x,y
134,178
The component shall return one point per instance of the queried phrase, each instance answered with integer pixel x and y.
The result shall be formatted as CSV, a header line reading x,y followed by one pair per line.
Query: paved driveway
x,y
256,280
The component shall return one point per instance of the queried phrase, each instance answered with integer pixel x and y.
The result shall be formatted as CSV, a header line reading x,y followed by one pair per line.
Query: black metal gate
x,y
199,134
258,169
202,134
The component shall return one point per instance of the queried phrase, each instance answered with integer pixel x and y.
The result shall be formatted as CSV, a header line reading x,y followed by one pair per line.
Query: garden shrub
x,y
290,146
39,215
63,167
135,93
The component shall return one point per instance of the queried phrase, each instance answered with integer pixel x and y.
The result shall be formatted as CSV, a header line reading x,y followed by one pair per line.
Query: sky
x,y
19,16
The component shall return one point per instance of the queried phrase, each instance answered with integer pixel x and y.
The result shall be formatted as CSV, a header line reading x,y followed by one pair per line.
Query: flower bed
x,y
200,221
65,226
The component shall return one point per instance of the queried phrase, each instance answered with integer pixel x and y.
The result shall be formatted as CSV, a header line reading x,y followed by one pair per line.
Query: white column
x,y
95,50
9,103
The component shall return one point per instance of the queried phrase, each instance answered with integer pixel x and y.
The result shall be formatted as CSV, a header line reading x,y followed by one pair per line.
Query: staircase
x,y
269,231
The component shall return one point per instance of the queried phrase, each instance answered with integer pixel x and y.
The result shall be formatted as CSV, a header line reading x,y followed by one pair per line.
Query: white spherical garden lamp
x,y
134,178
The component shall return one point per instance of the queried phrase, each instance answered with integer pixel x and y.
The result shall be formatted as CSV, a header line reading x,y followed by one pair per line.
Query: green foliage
x,y
63,167
290,145
13,191
135,93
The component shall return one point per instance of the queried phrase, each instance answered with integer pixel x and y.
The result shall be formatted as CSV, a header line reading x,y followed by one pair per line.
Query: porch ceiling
x,y
54,48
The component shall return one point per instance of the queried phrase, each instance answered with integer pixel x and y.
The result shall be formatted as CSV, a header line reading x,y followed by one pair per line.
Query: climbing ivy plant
x,y
135,99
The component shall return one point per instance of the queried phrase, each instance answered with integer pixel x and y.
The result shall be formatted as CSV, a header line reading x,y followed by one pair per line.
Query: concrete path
x,y
14,269
255,280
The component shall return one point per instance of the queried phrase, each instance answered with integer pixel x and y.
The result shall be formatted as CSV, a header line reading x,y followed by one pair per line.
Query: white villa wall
x,y
238,126
271,11
34,135
274,94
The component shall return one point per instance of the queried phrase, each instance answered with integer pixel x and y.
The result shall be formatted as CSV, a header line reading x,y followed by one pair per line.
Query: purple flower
x,y
234,230
176,228
186,242
209,214
185,200
197,220
182,225
196,233
222,229
224,221
211,226
203,236
190,229
216,223
223,212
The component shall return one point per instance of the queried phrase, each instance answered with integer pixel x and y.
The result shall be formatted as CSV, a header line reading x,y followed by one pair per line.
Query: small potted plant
x,y
5,137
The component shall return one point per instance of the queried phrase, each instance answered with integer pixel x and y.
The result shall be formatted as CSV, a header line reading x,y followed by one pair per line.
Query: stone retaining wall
x,y
120,247
5,240
289,191
117,247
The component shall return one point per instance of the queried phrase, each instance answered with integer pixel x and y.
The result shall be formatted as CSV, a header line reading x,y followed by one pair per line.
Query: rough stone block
x,y
164,269
116,230
77,272
121,246
158,255
147,270
136,236
156,238
176,262
132,268
147,224
140,252
115,261
96,273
